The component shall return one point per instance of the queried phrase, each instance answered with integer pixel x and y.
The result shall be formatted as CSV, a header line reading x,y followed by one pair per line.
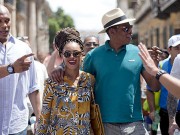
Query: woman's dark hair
x,y
65,36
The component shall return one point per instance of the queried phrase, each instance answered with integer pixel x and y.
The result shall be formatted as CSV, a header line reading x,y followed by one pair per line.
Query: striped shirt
x,y
14,88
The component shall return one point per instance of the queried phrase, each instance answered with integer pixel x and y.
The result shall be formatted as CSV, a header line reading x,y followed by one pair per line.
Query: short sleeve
x,y
88,64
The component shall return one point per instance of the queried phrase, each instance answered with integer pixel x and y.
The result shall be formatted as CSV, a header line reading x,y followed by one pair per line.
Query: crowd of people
x,y
77,68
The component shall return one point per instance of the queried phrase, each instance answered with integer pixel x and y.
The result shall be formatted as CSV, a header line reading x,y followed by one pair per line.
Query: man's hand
x,y
148,62
35,126
172,127
156,54
152,115
57,75
22,64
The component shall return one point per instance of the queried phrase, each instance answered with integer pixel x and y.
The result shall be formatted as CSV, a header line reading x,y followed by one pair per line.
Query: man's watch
x,y
159,73
10,69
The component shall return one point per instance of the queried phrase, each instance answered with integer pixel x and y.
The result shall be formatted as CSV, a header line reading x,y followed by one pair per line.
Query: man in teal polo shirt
x,y
117,66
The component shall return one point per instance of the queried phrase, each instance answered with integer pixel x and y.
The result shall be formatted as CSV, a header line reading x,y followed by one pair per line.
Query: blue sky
x,y
86,14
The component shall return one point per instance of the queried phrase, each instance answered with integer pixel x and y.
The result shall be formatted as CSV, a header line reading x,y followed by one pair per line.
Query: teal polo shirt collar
x,y
108,47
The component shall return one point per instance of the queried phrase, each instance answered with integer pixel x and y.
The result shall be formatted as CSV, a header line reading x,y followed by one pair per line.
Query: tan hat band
x,y
115,21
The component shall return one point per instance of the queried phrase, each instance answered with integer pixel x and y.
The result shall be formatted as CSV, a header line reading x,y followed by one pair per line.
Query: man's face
x,y
123,33
90,43
174,51
4,26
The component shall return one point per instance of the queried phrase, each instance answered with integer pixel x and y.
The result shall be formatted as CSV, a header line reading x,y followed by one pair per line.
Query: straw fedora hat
x,y
114,17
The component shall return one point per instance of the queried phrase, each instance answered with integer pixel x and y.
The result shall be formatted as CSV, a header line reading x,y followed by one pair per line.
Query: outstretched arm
x,y
20,65
172,84
52,62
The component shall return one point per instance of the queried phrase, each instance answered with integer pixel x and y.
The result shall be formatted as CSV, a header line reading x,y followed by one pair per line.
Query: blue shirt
x,y
166,65
117,87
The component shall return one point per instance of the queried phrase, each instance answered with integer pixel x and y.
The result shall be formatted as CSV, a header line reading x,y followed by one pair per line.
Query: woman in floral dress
x,y
66,106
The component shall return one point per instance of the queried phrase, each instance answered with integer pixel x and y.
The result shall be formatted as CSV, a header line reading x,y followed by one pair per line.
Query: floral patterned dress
x,y
66,108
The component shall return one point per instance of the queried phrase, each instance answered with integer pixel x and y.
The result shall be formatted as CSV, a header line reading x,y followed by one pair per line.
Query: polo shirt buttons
x,y
131,116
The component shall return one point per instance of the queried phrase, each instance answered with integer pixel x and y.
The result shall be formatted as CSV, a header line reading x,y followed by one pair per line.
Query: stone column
x,y
20,28
12,9
32,25
40,34
42,27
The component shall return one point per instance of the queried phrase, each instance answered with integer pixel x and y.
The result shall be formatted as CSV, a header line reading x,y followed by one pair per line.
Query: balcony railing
x,y
169,5
156,9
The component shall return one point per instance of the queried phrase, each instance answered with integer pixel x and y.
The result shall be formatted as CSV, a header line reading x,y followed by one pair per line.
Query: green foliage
x,y
58,21
53,28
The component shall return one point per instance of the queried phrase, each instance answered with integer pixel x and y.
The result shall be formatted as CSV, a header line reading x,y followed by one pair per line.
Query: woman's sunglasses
x,y
75,54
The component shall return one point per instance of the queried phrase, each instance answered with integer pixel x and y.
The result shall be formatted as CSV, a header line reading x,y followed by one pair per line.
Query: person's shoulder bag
x,y
95,116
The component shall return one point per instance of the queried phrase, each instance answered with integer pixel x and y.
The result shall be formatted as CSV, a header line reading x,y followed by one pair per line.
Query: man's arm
x,y
151,103
172,103
35,102
3,71
19,66
152,82
171,84
52,61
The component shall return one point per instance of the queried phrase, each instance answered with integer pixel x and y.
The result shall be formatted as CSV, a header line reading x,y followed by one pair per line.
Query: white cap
x,y
174,41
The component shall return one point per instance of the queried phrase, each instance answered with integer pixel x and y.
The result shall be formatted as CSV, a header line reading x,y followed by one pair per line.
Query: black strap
x,y
115,21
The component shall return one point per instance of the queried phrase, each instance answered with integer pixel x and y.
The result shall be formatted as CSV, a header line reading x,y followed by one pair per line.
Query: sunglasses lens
x,y
126,29
67,54
76,54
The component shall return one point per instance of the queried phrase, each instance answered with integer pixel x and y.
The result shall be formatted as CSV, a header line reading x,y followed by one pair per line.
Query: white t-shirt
x,y
175,72
41,76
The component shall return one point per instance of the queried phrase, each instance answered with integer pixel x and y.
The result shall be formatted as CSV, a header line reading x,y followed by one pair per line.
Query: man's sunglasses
x,y
127,28
75,54
124,28
91,43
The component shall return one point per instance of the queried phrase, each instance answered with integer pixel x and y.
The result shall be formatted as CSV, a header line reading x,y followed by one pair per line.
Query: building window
x,y
165,38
